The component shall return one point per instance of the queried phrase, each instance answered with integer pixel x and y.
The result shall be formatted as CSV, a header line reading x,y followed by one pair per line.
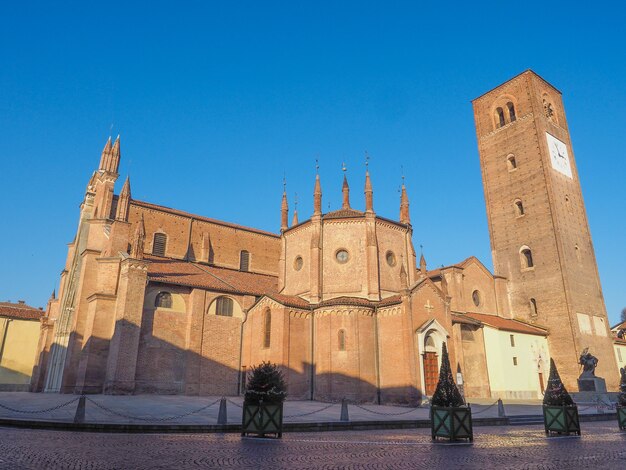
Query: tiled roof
x,y
459,318
299,302
341,213
619,326
507,324
185,273
290,300
149,205
20,311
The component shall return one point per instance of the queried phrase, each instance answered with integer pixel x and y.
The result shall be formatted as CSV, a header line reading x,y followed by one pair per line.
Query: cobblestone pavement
x,y
601,446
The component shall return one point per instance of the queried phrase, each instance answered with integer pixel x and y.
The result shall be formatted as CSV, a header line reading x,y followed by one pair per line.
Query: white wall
x,y
516,381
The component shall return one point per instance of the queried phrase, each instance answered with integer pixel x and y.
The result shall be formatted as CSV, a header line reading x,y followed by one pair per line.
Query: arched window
x,y
341,340
159,244
533,308
519,207
500,117
526,258
511,109
267,328
163,300
511,163
244,260
429,343
224,307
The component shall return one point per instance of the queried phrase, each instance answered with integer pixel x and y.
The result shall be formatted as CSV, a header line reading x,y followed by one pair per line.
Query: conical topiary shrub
x,y
450,418
560,414
621,400
263,401
446,393
556,393
267,384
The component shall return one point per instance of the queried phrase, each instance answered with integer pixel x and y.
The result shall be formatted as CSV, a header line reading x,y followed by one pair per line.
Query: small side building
x,y
19,335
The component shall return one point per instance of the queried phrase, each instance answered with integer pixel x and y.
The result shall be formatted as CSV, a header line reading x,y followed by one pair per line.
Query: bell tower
x,y
540,239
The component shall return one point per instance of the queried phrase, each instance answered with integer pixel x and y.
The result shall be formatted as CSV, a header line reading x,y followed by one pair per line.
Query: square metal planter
x,y
561,419
452,423
621,417
262,419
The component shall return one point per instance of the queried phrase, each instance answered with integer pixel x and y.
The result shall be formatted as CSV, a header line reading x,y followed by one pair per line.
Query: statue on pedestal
x,y
589,363
588,382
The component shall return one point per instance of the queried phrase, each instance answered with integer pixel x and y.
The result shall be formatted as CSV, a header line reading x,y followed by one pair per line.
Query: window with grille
x,y
163,300
267,329
224,307
511,109
158,246
500,117
341,338
244,261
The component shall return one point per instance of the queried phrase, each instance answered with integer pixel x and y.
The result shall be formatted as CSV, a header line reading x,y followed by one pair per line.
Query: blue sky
x,y
215,101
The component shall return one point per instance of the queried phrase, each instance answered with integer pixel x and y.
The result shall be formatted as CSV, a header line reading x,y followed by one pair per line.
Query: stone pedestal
x,y
592,384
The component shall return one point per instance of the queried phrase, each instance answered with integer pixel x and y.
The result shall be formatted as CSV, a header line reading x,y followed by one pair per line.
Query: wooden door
x,y
431,373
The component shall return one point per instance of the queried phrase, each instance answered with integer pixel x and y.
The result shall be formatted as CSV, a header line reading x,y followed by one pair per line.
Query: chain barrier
x,y
54,408
482,411
143,418
383,413
234,403
300,415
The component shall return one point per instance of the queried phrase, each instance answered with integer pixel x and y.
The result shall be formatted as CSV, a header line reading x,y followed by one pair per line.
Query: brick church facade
x,y
157,300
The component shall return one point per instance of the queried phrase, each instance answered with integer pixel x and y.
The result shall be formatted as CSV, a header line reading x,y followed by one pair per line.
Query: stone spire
x,y
123,202
317,196
136,249
53,295
284,209
105,159
345,189
295,212
404,281
115,156
369,193
405,218
422,264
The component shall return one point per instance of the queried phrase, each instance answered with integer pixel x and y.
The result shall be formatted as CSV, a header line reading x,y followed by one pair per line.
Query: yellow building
x,y
19,335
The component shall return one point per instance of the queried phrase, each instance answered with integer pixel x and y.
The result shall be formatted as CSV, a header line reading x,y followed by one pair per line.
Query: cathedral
x,y
158,300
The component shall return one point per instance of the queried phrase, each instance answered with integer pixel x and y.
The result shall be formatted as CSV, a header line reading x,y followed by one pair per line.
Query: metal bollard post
x,y
501,413
222,417
79,416
344,411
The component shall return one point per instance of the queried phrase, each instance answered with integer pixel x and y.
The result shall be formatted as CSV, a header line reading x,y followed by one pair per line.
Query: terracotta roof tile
x,y
20,311
459,318
149,205
299,302
290,301
507,324
186,273
341,213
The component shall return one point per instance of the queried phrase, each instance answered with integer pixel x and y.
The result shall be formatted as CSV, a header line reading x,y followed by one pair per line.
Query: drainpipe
x,y
377,356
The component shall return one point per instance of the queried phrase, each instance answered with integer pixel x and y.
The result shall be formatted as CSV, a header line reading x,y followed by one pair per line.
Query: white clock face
x,y
559,156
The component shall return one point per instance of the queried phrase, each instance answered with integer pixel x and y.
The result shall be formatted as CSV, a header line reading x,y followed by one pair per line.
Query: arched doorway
x,y
431,364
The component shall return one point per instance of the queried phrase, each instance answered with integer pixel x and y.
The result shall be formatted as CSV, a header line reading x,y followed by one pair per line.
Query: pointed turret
x,y
345,189
53,295
404,281
423,264
317,196
136,249
115,156
405,218
369,193
284,213
123,202
105,159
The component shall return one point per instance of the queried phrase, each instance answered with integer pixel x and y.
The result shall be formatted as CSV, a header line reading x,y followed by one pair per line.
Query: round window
x,y
342,256
391,258
476,298
298,262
